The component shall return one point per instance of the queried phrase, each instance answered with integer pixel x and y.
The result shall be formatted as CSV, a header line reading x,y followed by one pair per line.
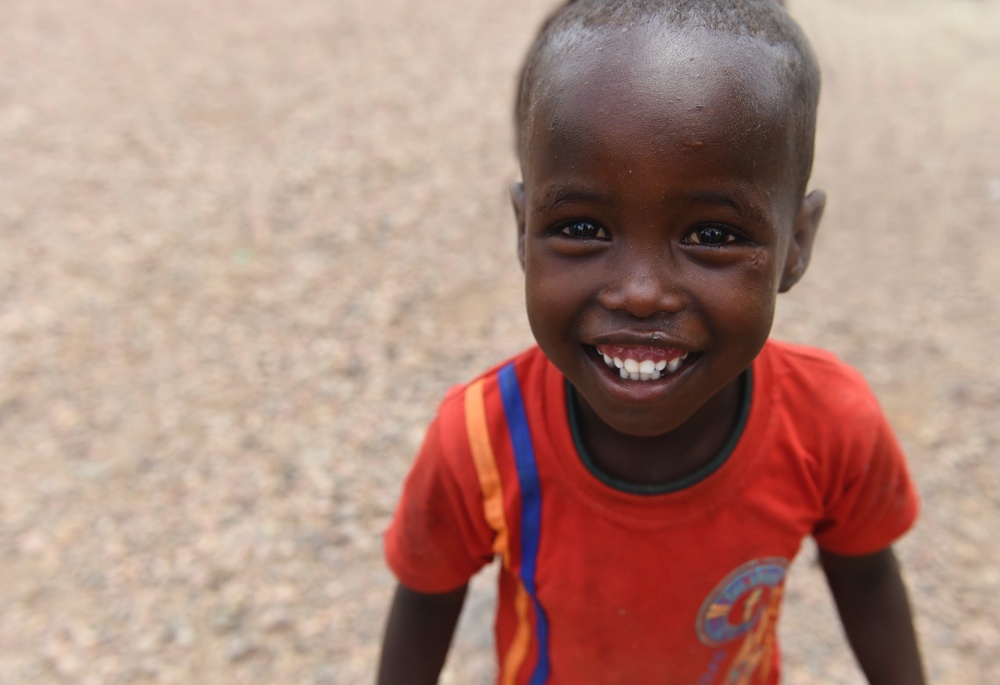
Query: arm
x,y
418,635
875,612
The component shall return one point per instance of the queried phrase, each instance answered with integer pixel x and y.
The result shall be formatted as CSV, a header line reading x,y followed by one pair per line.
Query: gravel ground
x,y
247,245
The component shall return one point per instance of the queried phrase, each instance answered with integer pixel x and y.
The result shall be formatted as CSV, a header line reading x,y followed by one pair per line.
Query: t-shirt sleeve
x,y
871,499
438,537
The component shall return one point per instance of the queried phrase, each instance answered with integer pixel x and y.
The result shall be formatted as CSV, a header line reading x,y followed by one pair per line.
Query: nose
x,y
644,288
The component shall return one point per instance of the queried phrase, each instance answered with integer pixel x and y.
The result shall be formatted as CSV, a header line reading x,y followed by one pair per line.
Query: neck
x,y
670,457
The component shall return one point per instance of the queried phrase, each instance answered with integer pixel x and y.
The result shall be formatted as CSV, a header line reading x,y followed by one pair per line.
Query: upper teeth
x,y
646,370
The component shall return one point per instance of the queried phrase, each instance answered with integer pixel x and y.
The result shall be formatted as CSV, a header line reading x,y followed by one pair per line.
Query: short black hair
x,y
764,20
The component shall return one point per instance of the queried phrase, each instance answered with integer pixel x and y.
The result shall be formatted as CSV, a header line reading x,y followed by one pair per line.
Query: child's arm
x,y
875,612
418,635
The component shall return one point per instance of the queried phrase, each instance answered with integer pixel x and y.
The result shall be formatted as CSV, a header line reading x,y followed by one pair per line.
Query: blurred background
x,y
245,246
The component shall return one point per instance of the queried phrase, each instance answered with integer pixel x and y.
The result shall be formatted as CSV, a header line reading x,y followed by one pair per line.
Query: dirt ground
x,y
246,245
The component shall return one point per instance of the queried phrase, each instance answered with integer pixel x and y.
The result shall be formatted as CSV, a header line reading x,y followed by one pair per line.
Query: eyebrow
x,y
564,195
714,197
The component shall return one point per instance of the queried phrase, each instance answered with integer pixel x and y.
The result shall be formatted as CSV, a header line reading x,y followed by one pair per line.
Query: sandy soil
x,y
246,246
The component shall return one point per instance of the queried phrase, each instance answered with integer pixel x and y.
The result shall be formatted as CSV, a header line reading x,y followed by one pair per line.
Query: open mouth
x,y
641,363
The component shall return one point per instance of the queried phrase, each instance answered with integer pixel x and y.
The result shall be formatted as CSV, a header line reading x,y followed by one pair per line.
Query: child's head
x,y
788,57
665,149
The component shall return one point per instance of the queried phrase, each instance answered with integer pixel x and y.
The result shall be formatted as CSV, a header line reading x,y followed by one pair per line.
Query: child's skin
x,y
660,214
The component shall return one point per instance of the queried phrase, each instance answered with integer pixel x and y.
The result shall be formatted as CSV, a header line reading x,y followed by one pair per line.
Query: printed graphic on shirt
x,y
745,606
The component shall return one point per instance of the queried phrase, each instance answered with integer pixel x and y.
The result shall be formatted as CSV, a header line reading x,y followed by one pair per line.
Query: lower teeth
x,y
638,375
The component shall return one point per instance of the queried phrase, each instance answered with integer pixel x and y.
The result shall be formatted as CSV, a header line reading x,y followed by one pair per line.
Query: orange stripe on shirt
x,y
493,509
486,468
517,653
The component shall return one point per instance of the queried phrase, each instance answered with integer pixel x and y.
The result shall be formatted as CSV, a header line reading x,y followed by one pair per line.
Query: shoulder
x,y
476,408
816,382
825,414
530,367
450,462
832,424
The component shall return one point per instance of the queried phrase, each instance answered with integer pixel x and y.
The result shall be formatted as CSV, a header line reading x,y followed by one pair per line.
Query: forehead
x,y
657,89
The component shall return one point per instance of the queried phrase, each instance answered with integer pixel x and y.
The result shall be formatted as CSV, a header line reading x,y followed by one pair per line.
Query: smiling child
x,y
650,469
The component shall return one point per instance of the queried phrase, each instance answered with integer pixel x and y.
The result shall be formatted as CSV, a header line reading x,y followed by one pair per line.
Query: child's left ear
x,y
803,235
517,200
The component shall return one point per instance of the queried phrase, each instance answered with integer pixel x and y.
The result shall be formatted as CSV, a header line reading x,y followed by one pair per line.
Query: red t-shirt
x,y
601,585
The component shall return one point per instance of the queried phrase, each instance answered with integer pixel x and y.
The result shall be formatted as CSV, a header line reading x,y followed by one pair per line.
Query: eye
x,y
711,235
584,230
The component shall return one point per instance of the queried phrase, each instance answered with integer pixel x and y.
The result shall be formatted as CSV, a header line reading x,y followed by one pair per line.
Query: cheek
x,y
763,269
546,295
548,279
747,300
760,275
556,299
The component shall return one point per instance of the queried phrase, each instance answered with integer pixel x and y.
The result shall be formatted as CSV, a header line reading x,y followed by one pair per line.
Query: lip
x,y
643,344
640,338
640,352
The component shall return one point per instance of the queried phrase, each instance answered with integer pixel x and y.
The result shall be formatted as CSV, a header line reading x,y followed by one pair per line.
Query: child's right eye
x,y
585,230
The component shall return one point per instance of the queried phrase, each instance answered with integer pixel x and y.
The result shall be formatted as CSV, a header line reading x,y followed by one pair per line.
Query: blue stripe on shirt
x,y
531,507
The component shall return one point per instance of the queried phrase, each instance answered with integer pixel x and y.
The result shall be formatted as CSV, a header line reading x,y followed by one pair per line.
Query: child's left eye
x,y
586,230
711,235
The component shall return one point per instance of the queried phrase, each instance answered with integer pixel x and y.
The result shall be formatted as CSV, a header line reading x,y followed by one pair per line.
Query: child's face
x,y
658,219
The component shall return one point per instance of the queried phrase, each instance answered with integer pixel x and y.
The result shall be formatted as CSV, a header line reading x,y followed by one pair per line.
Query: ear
x,y
803,234
517,200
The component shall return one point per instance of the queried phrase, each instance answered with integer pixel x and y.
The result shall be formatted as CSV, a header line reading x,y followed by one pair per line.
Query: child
x,y
648,471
